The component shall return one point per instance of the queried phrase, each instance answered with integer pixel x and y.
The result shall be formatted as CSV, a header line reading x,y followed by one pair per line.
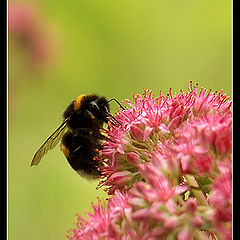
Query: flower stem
x,y
196,192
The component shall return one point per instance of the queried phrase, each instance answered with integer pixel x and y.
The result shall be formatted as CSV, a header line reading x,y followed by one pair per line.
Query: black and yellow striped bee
x,y
80,134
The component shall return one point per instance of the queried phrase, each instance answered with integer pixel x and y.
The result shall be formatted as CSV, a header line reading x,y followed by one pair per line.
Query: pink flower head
x,y
189,130
93,227
168,169
103,222
207,102
221,201
197,145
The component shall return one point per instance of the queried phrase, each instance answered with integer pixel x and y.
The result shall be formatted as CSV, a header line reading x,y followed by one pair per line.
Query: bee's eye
x,y
94,105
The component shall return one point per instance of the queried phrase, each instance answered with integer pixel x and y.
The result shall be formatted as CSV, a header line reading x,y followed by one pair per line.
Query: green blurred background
x,y
61,49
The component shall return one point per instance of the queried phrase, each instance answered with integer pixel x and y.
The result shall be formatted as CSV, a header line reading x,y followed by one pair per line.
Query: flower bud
x,y
171,222
136,133
197,221
133,158
125,144
223,142
184,234
137,202
191,205
120,178
141,215
113,231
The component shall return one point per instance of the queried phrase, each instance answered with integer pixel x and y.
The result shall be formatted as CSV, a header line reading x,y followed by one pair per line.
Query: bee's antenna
x,y
113,99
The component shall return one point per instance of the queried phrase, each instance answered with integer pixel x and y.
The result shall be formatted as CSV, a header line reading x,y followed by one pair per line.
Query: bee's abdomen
x,y
80,151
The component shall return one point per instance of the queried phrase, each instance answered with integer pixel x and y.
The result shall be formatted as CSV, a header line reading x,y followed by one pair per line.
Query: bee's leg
x,y
112,117
113,99
112,123
100,136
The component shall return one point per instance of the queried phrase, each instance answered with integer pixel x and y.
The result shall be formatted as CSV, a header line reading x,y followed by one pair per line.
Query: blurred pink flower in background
x,y
26,26
167,169
33,44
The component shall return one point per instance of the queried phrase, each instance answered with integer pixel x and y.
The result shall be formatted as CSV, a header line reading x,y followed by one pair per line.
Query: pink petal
x,y
163,128
147,132
120,149
175,122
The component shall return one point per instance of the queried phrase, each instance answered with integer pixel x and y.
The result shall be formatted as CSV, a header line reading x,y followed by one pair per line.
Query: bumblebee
x,y
80,134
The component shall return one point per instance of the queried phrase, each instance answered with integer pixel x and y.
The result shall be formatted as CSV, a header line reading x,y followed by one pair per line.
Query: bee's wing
x,y
50,143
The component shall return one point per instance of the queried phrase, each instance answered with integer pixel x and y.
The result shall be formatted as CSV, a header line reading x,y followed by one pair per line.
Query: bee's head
x,y
99,108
